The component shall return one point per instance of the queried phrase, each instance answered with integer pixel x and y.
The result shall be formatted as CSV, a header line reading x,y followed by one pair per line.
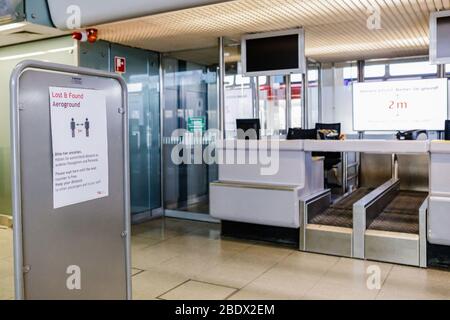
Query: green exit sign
x,y
196,124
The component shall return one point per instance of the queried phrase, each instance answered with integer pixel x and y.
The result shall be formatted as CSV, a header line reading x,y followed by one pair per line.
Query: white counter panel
x,y
368,146
439,221
440,146
292,145
263,206
279,163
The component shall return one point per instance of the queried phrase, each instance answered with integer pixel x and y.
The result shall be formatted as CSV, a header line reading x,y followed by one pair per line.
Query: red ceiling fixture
x,y
89,35
80,36
92,35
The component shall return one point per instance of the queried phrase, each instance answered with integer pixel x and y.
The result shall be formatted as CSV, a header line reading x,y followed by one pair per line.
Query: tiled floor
x,y
176,259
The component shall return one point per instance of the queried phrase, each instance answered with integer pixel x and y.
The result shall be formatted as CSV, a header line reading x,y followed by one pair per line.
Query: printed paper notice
x,y
80,145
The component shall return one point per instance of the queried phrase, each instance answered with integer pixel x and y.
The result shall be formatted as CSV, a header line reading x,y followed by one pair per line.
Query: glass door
x,y
189,111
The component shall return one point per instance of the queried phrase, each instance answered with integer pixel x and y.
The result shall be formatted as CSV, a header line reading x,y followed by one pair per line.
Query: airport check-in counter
x,y
252,191
384,223
439,213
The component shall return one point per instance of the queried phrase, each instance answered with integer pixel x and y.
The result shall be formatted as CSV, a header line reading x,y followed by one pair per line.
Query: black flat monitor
x,y
248,129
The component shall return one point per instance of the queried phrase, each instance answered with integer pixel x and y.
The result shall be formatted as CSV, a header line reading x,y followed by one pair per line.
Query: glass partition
x,y
143,81
142,78
190,109
314,99
273,105
296,101
240,92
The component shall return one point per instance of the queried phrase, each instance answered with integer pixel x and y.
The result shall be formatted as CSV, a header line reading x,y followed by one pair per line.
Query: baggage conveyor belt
x,y
340,214
401,214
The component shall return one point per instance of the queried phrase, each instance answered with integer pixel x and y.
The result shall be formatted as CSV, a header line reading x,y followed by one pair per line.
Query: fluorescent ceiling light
x,y
61,49
21,56
12,26
37,53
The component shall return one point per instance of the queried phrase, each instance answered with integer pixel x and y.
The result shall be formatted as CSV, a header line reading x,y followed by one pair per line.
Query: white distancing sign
x,y
80,145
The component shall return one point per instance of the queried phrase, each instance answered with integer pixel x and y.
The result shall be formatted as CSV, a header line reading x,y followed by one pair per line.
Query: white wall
x,y
58,50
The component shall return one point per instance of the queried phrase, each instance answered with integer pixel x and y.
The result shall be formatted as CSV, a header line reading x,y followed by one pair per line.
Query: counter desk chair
x,y
329,131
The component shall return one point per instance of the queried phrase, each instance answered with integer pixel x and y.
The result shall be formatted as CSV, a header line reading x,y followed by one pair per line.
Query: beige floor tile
x,y
290,279
163,229
194,264
185,226
308,264
405,272
212,231
274,251
193,290
404,286
194,244
244,267
353,274
274,285
6,234
154,282
6,267
252,293
153,232
6,288
233,273
136,271
6,243
138,243
333,291
174,253
152,256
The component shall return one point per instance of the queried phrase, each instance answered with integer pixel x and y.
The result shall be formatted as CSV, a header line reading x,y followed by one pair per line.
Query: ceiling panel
x,y
336,30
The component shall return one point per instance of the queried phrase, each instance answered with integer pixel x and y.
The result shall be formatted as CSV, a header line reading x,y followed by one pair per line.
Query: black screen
x,y
443,45
274,53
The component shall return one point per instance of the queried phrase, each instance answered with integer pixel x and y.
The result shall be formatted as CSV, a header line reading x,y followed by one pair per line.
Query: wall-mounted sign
x,y
196,124
80,145
120,64
400,105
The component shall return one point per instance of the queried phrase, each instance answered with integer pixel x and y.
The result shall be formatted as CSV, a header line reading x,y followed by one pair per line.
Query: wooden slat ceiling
x,y
336,30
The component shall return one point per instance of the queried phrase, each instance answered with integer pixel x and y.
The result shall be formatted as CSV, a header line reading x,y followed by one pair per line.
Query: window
x,y
375,71
350,72
412,68
313,75
229,81
296,100
240,80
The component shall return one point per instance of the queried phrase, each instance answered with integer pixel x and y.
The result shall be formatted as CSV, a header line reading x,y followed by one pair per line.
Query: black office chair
x,y
301,134
329,131
447,130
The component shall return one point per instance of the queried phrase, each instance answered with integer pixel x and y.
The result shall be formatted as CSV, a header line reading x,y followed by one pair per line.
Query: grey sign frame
x,y
122,286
